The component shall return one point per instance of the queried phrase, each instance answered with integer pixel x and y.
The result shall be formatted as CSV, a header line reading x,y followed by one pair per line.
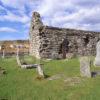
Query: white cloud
x,y
15,18
19,6
7,29
83,14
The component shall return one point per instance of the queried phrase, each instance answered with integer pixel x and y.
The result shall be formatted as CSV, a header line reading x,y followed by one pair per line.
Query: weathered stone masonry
x,y
54,42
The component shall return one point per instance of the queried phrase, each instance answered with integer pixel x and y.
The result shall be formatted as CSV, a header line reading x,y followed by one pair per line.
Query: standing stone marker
x,y
97,58
3,54
17,56
39,69
85,66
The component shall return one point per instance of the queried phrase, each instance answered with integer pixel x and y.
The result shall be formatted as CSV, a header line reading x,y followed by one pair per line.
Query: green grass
x,y
21,84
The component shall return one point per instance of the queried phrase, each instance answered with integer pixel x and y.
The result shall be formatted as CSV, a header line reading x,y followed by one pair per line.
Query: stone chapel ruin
x,y
53,42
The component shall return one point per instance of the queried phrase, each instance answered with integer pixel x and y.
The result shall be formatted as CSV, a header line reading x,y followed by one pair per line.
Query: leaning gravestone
x,y
97,58
17,57
85,66
39,69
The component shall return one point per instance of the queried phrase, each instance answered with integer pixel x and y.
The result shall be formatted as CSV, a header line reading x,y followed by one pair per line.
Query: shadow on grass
x,y
95,73
42,78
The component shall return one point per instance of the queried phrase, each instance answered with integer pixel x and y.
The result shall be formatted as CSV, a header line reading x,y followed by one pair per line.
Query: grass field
x,y
21,84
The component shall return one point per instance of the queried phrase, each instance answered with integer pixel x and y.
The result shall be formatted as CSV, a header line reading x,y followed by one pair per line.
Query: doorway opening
x,y
64,48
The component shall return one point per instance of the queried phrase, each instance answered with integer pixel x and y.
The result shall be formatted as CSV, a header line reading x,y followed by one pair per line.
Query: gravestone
x,y
85,66
97,58
17,57
40,71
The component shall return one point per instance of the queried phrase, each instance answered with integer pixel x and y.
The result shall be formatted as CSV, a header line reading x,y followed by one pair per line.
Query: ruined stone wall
x,y
53,42
80,42
36,25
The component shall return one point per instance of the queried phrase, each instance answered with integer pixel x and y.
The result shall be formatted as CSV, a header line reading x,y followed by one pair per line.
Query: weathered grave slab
x,y
85,66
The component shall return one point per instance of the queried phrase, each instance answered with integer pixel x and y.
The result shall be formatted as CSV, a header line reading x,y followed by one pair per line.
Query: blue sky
x,y
15,15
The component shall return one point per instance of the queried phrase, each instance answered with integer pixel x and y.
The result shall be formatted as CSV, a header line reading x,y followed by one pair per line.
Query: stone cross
x,y
97,58
85,66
